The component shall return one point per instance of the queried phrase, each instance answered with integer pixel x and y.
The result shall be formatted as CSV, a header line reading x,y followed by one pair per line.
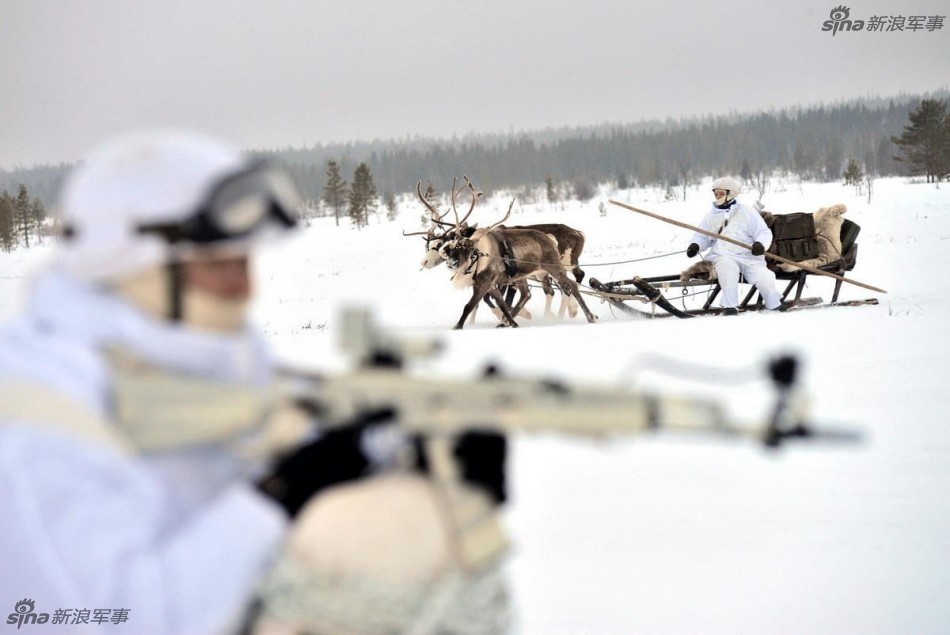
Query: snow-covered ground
x,y
671,534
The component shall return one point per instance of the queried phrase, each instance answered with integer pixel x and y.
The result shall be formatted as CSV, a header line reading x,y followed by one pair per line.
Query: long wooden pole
x,y
808,268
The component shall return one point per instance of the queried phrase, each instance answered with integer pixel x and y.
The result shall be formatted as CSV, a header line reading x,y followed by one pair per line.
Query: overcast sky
x,y
273,73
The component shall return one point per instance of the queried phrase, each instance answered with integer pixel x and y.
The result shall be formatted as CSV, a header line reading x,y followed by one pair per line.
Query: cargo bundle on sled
x,y
805,246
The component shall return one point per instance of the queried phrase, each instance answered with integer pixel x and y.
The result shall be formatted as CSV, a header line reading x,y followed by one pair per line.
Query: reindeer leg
x,y
471,317
567,304
495,293
575,258
578,274
572,307
510,294
494,309
470,306
569,300
522,286
549,297
569,286
510,290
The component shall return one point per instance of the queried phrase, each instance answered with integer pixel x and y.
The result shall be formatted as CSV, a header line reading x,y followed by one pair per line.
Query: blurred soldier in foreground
x,y
151,462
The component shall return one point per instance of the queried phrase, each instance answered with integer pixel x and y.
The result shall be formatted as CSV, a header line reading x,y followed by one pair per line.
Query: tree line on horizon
x,y
817,144
822,143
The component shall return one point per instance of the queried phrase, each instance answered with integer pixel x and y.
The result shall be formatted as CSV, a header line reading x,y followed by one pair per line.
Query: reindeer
x,y
440,232
569,241
501,256
570,245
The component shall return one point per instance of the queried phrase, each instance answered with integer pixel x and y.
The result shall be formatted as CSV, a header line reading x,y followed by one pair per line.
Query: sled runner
x,y
822,241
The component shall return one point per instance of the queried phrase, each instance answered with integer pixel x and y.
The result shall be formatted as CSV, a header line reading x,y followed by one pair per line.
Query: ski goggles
x,y
237,206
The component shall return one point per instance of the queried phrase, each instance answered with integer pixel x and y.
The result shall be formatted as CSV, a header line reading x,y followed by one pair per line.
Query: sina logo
x,y
23,614
839,21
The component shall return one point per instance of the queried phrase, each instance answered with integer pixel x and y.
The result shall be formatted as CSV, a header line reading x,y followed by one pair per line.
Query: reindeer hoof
x,y
501,325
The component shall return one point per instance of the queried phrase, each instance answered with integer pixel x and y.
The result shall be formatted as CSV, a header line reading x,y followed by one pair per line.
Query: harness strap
x,y
507,257
473,261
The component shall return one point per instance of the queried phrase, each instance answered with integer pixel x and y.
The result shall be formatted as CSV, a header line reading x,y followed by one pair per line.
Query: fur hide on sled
x,y
702,270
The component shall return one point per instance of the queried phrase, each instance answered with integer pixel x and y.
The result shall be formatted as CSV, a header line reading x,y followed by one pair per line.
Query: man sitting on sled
x,y
732,219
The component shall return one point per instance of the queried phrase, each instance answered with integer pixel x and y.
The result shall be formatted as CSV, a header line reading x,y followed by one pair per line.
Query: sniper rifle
x,y
506,403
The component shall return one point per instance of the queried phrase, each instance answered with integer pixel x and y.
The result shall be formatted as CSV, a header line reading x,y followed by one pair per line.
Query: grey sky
x,y
273,73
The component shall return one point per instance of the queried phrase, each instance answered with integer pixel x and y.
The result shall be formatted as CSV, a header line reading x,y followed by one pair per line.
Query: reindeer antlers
x,y
436,216
510,205
455,192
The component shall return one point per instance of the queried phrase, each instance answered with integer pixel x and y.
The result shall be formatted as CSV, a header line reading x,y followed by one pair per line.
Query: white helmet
x,y
729,184
147,198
